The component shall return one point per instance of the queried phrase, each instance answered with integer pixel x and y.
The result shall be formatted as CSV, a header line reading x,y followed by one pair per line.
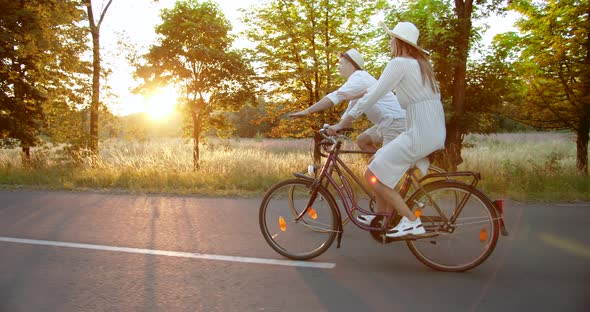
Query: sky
x,y
137,19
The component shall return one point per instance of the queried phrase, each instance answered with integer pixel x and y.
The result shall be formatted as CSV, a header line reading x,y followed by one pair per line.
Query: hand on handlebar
x,y
343,125
333,130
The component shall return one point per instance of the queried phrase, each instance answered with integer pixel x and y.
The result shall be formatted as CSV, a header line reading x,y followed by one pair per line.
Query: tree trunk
x,y
26,156
455,130
317,157
582,147
452,154
95,102
95,91
196,131
584,128
96,68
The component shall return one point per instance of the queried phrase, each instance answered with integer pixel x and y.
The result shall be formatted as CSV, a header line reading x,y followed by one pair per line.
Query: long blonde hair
x,y
404,49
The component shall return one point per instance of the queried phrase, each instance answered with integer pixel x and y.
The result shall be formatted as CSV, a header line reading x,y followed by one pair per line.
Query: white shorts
x,y
387,130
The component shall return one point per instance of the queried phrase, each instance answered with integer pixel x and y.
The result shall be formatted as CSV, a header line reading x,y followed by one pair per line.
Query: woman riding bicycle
x,y
411,76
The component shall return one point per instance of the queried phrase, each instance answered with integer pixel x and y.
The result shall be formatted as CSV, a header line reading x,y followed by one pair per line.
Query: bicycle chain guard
x,y
378,235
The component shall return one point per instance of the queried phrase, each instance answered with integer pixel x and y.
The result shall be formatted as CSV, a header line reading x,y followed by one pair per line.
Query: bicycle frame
x,y
335,163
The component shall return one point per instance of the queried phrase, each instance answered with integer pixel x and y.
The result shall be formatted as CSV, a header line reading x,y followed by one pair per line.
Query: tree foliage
x,y
298,47
40,46
194,53
553,50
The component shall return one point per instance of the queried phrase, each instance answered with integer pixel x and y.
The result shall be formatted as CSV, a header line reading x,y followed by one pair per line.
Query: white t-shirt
x,y
360,80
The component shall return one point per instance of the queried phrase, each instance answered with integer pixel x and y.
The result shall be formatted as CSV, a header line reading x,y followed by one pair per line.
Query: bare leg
x,y
389,198
382,204
366,144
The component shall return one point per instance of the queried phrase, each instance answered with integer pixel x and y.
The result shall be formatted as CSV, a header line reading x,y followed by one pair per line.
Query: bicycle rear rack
x,y
447,175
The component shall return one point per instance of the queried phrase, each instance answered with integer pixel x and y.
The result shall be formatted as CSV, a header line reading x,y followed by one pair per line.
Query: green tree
x,y
194,53
249,120
492,82
554,62
447,30
298,45
40,44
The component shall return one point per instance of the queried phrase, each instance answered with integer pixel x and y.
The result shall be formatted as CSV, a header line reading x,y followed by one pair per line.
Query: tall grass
x,y
524,166
227,167
539,166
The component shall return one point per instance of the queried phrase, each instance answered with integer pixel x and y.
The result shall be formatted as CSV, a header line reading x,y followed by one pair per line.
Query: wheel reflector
x,y
418,213
311,212
282,224
483,235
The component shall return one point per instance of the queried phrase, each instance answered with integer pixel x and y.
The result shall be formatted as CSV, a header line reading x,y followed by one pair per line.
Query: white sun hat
x,y
406,32
354,57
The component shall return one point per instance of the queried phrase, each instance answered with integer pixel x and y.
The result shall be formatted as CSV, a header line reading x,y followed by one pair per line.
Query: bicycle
x,y
300,219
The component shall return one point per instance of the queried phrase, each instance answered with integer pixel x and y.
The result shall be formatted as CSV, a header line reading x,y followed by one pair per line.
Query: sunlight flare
x,y
161,104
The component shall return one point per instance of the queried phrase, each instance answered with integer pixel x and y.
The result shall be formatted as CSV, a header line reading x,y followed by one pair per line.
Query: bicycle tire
x,y
313,234
478,220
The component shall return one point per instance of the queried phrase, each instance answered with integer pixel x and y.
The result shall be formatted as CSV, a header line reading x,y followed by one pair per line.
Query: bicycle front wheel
x,y
311,235
454,246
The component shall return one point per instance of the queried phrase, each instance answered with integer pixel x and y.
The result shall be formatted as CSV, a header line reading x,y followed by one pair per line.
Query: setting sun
x,y
160,104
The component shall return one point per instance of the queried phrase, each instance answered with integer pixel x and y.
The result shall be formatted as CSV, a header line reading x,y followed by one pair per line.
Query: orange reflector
x,y
311,212
418,213
282,224
373,180
483,235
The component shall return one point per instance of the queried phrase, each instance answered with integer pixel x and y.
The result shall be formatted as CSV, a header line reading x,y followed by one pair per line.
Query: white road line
x,y
306,264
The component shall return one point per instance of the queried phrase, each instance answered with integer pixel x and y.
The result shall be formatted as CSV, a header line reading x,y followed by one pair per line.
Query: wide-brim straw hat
x,y
406,32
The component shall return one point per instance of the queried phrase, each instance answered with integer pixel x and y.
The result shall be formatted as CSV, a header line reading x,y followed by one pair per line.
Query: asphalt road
x,y
62,251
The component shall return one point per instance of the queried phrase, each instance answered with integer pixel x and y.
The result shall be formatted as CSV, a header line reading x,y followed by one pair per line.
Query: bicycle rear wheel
x,y
458,246
310,236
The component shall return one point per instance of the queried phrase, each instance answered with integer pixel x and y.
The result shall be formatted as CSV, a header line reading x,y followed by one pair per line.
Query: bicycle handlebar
x,y
332,139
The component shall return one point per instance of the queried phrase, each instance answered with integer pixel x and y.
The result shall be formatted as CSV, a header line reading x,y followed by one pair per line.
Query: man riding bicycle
x,y
387,116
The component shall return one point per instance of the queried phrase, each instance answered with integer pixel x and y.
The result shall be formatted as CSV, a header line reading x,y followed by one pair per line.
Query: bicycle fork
x,y
315,187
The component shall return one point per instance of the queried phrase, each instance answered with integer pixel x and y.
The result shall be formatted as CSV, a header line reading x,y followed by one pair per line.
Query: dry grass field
x,y
520,166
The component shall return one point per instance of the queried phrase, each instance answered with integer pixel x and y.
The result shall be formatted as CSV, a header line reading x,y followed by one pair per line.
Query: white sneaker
x,y
365,219
406,227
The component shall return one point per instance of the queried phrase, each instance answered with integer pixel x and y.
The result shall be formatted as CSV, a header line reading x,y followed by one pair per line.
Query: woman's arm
x,y
389,80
